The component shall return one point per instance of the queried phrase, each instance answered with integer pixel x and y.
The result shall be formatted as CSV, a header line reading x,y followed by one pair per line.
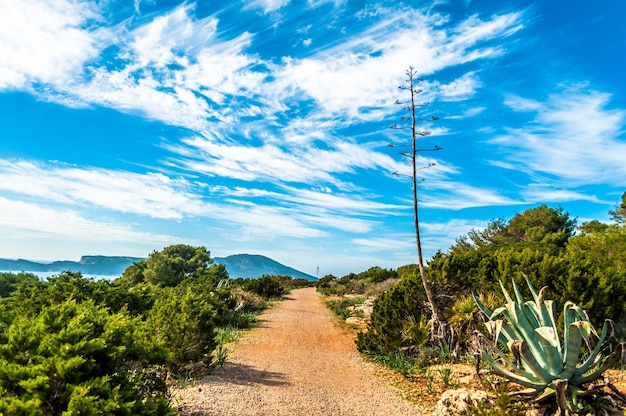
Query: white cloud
x,y
266,222
22,220
290,213
457,195
460,89
573,137
346,212
474,111
268,6
518,103
45,41
173,69
341,202
354,78
178,69
441,235
401,244
153,195
474,30
301,164
539,193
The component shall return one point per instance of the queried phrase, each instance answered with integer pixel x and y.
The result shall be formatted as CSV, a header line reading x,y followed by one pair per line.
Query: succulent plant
x,y
536,357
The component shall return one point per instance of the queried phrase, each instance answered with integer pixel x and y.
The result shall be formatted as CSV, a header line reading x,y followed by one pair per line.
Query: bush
x,y
76,358
266,286
392,311
184,323
341,307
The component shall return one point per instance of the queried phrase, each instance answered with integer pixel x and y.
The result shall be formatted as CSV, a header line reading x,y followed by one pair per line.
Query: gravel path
x,y
297,362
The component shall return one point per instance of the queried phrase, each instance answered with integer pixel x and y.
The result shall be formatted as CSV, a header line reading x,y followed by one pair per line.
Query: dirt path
x,y
298,362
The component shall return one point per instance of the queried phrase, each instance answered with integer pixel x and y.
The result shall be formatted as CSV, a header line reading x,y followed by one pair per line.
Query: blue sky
x,y
262,126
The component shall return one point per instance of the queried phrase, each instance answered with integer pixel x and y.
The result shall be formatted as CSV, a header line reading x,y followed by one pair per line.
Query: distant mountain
x,y
93,265
254,266
238,265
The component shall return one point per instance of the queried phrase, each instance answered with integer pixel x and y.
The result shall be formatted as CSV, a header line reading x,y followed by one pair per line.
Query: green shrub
x,y
184,323
341,307
266,286
76,359
392,311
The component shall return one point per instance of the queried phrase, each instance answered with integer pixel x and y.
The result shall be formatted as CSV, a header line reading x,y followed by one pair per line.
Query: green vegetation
x,y
581,265
542,363
370,282
73,345
341,307
76,345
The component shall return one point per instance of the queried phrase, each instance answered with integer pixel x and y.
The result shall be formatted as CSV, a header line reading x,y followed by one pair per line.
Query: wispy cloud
x,y
541,193
287,211
573,137
268,5
289,163
353,79
460,89
441,235
153,195
457,195
191,71
22,220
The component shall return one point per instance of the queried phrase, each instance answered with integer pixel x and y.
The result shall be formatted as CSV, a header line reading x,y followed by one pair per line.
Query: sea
x,y
45,275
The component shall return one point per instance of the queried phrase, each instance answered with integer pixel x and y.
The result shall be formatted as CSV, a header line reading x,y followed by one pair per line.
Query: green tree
x,y
377,274
392,311
266,286
170,266
492,234
593,226
9,282
397,314
541,224
618,213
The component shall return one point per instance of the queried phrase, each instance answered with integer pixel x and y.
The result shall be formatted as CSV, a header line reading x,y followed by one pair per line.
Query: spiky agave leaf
x,y
605,363
504,334
572,348
608,332
543,308
551,346
536,384
505,292
518,294
530,310
573,313
529,331
517,369
523,329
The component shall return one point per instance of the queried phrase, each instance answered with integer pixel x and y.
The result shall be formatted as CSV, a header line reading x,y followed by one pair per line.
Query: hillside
x,y
94,265
238,265
254,266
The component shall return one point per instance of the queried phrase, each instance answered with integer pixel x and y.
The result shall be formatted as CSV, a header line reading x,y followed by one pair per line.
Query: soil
x,y
298,361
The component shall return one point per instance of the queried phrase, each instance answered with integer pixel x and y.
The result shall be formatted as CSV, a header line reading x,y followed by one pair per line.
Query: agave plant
x,y
536,358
